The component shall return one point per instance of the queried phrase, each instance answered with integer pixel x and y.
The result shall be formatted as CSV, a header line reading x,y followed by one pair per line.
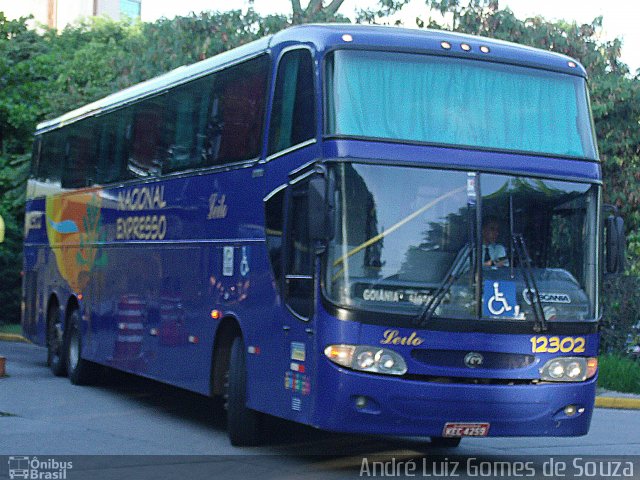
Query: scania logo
x,y
473,359
546,297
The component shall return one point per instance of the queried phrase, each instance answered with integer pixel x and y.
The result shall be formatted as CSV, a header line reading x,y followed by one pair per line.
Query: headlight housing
x,y
367,359
569,369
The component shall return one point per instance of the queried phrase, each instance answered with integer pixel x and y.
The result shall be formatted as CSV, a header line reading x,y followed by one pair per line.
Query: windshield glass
x,y
452,101
395,248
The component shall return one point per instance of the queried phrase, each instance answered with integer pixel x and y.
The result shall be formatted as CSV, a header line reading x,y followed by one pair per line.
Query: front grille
x,y
456,359
469,381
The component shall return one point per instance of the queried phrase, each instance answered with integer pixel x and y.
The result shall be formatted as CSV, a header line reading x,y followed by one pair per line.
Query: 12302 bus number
x,y
557,344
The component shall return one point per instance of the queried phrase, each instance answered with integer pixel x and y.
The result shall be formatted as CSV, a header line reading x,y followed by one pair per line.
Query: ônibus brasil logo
x,y
34,469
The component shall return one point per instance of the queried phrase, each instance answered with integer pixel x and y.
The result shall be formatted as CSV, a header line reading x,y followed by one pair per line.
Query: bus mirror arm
x,y
615,242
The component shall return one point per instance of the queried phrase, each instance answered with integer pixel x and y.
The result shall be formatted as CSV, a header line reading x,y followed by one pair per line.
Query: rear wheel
x,y
445,442
81,371
243,423
55,342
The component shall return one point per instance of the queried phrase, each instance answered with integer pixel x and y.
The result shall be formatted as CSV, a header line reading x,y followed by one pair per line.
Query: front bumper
x,y
398,406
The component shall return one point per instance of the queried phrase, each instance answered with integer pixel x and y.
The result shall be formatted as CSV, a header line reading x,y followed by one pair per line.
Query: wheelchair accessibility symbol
x,y
499,299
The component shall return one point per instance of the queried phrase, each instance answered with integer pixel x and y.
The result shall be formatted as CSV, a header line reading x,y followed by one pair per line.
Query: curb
x,y
12,337
618,402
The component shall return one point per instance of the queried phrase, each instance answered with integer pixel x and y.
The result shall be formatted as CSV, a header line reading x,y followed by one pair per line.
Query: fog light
x,y
570,410
361,402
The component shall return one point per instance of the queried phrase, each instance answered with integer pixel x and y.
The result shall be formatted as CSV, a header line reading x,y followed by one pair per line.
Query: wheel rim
x,y
55,337
74,350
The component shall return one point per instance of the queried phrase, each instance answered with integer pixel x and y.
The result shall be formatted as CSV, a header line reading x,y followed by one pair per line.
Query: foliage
x,y
619,374
621,312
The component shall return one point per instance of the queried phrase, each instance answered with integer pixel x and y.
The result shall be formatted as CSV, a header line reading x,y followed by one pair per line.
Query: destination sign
x,y
371,293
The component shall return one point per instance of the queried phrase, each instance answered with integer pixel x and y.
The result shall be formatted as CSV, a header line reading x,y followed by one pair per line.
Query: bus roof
x,y
326,37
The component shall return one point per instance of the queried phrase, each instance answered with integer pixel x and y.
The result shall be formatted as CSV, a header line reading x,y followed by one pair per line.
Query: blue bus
x,y
358,228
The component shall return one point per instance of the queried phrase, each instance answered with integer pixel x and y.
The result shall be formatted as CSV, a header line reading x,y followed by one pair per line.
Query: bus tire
x,y
81,371
445,442
56,358
243,424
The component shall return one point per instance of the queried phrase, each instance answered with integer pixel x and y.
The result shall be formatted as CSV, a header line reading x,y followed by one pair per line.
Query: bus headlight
x,y
569,369
367,359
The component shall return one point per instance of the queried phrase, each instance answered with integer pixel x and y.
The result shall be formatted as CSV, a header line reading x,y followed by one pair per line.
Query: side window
x,y
79,165
51,157
236,112
293,117
186,124
148,146
36,155
113,146
274,223
299,261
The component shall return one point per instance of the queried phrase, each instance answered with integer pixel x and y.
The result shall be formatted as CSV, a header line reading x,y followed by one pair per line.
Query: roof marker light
x,y
572,64
484,49
347,38
466,47
445,45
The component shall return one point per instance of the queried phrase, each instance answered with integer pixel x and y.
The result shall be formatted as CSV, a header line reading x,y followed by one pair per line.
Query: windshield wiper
x,y
520,248
454,273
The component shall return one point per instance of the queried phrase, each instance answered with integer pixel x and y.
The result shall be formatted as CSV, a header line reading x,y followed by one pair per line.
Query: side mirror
x,y
615,245
320,209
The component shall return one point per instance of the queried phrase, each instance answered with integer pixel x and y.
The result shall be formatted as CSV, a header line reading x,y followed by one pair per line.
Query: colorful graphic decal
x,y
76,236
297,382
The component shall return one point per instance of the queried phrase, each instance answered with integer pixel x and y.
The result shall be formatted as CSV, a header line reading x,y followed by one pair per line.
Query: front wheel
x,y
81,371
243,423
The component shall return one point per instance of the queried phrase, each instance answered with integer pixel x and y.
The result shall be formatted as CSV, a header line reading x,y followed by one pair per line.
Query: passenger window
x,y
148,147
293,117
79,165
52,157
113,146
236,112
299,269
187,125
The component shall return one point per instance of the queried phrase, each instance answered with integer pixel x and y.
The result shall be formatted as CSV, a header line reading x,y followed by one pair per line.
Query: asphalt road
x,y
48,417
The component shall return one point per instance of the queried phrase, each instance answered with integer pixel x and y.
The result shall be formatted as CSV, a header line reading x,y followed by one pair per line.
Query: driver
x,y
493,254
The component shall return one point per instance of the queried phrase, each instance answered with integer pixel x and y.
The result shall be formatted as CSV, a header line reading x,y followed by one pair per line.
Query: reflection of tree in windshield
x,y
430,260
362,219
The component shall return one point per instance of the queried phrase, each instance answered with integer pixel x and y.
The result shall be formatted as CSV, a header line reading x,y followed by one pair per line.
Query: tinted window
x,y
293,116
148,147
186,125
52,156
274,218
113,146
79,155
236,113
299,279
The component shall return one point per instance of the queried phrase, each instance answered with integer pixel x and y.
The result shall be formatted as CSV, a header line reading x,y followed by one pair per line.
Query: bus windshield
x,y
453,101
395,247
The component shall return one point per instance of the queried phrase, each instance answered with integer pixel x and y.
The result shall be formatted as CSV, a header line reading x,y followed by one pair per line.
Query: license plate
x,y
465,430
